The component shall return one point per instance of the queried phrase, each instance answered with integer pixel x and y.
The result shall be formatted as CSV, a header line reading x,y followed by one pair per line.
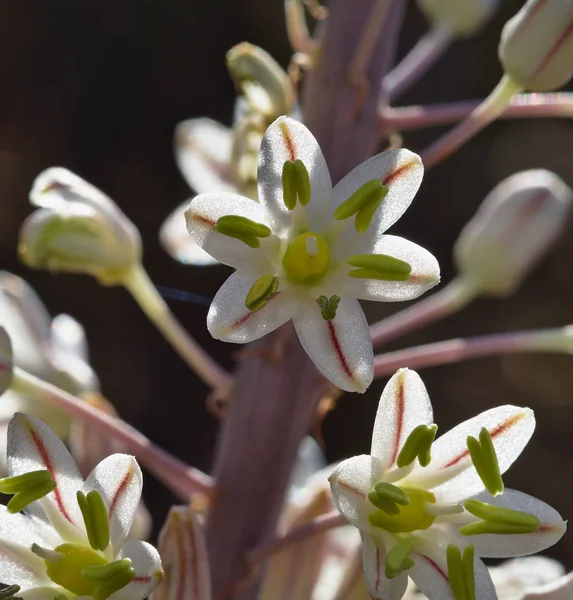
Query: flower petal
x,y
399,169
31,447
201,217
374,563
289,140
340,348
119,480
350,484
177,242
231,321
203,154
184,555
561,589
505,546
148,571
404,405
425,272
451,472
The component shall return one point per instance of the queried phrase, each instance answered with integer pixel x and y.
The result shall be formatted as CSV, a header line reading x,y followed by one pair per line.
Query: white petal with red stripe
x,y
401,170
148,571
504,546
288,140
451,473
31,447
374,563
425,272
350,484
201,217
403,406
340,348
231,321
203,153
119,480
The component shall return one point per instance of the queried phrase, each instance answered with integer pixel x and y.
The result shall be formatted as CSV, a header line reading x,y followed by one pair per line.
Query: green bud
x,y
497,519
461,572
363,203
96,518
261,292
485,461
26,488
379,266
398,559
242,229
418,445
328,306
296,184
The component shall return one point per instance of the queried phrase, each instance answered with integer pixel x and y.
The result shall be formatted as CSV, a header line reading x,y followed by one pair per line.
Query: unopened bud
x,y
536,47
512,230
78,229
6,361
461,17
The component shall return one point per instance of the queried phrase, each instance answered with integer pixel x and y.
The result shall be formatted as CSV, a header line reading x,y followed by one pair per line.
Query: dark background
x,y
98,87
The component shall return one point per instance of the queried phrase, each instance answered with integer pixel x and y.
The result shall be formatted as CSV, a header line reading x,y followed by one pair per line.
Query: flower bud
x,y
536,47
461,17
78,229
512,230
6,360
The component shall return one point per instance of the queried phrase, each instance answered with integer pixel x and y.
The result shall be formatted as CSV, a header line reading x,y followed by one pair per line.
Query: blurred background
x,y
99,86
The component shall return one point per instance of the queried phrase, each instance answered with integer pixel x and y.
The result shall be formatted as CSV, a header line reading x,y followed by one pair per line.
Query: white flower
x,y
536,47
427,521
47,548
561,589
308,253
512,230
77,229
460,17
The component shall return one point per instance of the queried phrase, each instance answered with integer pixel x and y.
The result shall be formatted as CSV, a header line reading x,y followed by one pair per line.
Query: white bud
x,y
512,230
460,17
77,229
536,47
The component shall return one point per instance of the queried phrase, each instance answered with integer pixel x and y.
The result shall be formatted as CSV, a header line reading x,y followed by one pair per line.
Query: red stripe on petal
x,y
435,566
203,219
141,579
248,315
45,458
120,489
399,172
348,487
289,142
378,570
558,45
493,433
400,406
338,350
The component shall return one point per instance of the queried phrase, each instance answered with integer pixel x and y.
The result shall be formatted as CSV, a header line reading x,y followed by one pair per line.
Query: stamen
x,y
398,559
461,572
418,445
26,488
261,292
242,229
103,572
363,203
328,306
96,519
296,184
497,519
379,266
10,592
45,553
108,587
485,461
443,509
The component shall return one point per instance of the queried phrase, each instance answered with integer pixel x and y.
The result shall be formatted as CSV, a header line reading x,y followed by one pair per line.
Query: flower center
x,y
410,517
307,258
67,569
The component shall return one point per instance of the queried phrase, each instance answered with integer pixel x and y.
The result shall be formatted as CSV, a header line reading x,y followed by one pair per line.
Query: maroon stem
x,y
275,401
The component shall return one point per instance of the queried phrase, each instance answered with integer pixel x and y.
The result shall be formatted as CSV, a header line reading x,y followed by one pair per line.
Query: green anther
x,y
103,572
497,519
391,492
108,587
261,292
363,203
10,592
398,559
387,506
296,184
485,461
418,445
379,266
242,229
61,597
96,519
461,572
328,306
26,488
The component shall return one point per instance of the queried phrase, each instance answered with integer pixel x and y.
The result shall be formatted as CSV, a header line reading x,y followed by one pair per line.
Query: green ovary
x,y
307,258
67,571
412,517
